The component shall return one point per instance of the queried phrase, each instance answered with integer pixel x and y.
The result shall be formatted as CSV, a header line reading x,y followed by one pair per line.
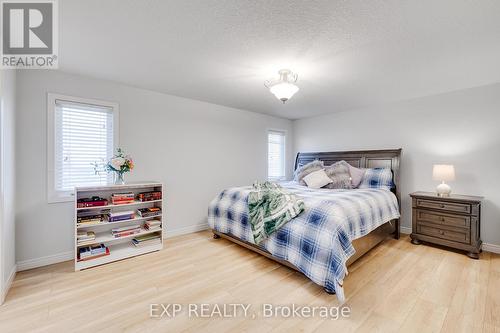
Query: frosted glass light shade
x,y
284,91
443,172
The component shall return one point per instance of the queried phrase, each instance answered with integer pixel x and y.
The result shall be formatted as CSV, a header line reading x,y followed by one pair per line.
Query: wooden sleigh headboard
x,y
389,158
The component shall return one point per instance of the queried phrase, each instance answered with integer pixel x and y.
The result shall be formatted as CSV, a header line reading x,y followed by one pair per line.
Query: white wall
x,y
7,179
195,148
461,128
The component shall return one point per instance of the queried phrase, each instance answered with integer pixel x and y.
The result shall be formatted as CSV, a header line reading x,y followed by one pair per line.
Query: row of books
x,y
118,199
92,218
149,196
147,240
95,201
92,252
148,212
100,250
122,198
89,236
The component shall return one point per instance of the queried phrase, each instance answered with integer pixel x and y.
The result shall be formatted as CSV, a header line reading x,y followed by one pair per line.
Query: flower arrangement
x,y
119,164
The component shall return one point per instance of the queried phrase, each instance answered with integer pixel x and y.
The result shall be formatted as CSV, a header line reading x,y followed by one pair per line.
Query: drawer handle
x,y
441,232
442,219
443,206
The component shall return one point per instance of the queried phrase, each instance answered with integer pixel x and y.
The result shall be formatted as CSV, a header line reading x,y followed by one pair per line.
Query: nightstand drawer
x,y
457,235
441,205
443,219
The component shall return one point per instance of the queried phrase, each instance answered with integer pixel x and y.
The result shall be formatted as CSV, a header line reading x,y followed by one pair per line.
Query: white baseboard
x,y
491,248
44,261
405,230
185,230
65,256
8,284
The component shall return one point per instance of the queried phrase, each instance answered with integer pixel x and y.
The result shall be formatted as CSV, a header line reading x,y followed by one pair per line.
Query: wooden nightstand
x,y
453,221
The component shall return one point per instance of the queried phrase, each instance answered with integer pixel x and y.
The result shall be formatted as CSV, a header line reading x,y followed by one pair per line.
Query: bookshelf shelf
x,y
135,203
108,238
118,252
119,247
114,223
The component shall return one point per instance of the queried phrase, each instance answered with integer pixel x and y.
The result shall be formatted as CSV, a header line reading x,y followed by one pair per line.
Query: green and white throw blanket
x,y
270,206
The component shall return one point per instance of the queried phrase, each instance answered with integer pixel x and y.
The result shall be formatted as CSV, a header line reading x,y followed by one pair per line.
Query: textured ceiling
x,y
348,54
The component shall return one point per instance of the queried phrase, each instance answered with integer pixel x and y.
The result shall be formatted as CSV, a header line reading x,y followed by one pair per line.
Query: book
x,y
125,231
122,202
96,249
90,257
90,221
146,240
91,202
152,225
149,196
92,250
123,195
147,212
122,198
90,218
146,237
120,216
84,236
128,212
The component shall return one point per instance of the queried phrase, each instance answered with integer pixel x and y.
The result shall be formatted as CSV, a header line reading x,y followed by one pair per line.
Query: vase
x,y
119,180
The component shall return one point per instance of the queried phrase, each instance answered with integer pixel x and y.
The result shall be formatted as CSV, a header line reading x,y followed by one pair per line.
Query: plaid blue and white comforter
x,y
319,241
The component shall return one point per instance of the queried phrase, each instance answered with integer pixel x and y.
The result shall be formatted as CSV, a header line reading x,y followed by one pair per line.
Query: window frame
x,y
54,195
284,133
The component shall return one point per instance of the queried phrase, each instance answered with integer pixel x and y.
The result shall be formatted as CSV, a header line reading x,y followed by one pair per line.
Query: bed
x,y
336,228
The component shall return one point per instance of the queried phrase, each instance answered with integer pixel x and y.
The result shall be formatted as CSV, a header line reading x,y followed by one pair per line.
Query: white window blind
x,y
83,135
276,155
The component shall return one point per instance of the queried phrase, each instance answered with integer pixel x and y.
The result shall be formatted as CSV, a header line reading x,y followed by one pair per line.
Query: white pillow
x,y
317,179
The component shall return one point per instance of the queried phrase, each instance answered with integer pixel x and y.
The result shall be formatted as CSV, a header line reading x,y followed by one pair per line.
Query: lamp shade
x,y
284,90
443,172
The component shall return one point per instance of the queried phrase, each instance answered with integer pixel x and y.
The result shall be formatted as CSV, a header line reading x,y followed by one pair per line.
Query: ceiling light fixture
x,y
284,87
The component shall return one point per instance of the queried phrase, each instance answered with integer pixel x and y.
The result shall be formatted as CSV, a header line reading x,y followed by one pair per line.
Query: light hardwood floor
x,y
395,287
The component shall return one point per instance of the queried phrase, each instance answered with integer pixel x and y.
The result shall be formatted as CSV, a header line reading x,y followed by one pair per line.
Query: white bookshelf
x,y
119,247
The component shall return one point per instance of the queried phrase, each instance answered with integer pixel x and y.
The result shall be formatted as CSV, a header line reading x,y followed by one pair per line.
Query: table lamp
x,y
443,173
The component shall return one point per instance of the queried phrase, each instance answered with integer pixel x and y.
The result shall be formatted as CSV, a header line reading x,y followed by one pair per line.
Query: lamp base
x,y
443,190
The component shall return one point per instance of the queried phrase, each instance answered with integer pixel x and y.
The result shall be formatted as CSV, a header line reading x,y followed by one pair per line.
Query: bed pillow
x,y
317,179
377,178
356,175
338,172
306,169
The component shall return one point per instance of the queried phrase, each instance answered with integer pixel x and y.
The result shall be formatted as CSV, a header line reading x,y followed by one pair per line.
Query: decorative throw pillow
x,y
377,178
317,179
356,175
338,172
306,169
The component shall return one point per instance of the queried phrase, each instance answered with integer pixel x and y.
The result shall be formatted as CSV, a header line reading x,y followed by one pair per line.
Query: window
x,y
81,132
276,155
